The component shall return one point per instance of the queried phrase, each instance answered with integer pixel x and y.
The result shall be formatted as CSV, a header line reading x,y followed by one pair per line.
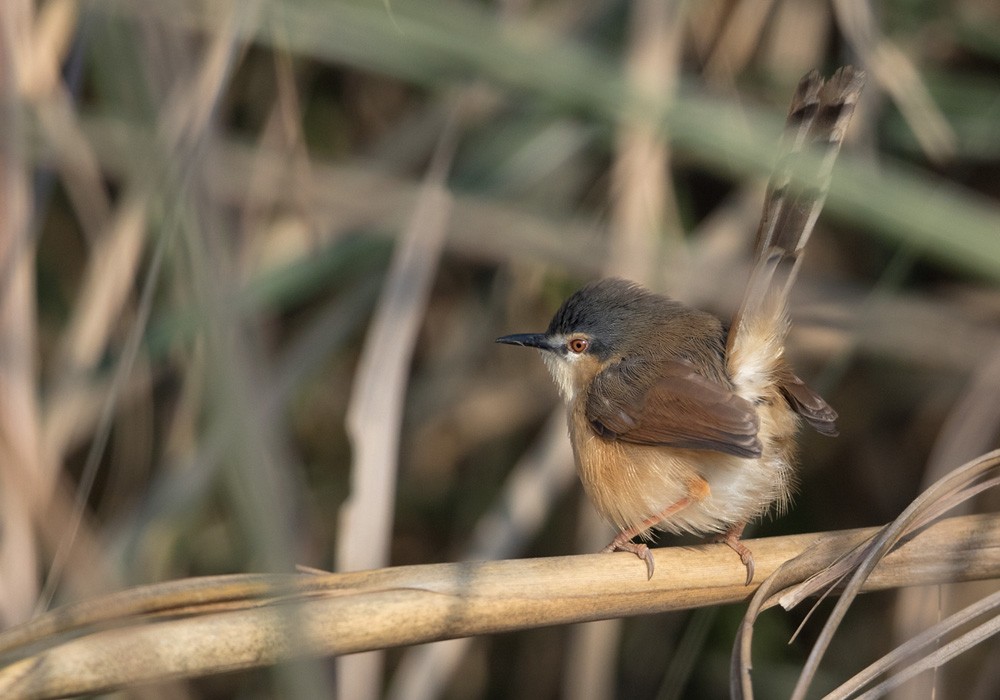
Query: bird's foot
x,y
732,540
637,548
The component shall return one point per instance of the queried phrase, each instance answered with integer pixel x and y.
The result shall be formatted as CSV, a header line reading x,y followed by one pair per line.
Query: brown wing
x,y
668,403
810,405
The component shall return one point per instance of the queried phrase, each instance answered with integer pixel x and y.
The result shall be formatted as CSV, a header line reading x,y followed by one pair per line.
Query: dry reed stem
x,y
107,287
53,105
541,476
643,199
23,483
375,412
226,623
739,36
895,73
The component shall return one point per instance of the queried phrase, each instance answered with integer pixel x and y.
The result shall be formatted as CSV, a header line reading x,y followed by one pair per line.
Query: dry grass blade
x,y
130,354
859,564
110,277
211,625
934,659
23,484
956,487
953,489
375,412
929,638
970,429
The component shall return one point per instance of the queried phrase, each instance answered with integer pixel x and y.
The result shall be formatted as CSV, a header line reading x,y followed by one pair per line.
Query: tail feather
x,y
817,119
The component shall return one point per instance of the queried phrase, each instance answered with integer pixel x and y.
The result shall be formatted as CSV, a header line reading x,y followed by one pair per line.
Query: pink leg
x,y
623,542
732,540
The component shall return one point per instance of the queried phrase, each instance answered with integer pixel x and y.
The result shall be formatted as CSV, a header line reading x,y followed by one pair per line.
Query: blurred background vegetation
x,y
253,257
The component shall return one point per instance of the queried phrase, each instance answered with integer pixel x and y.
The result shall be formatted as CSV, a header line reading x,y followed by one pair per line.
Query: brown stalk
x,y
375,412
196,627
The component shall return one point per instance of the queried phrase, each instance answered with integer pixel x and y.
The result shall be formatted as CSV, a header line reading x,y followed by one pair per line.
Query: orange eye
x,y
578,345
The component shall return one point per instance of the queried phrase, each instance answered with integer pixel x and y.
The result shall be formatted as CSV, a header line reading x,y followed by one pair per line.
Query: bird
x,y
680,422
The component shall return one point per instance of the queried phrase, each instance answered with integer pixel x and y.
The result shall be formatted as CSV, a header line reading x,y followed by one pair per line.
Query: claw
x,y
638,549
748,562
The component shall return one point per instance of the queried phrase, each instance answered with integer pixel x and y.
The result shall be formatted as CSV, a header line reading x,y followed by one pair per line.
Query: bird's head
x,y
597,325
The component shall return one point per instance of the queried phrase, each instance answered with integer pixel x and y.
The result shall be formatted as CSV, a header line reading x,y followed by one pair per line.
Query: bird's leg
x,y
697,490
731,539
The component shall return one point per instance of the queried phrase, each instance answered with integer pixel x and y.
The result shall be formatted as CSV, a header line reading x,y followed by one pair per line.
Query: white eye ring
x,y
578,346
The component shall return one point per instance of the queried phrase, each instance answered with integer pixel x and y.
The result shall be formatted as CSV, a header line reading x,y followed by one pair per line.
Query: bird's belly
x,y
630,484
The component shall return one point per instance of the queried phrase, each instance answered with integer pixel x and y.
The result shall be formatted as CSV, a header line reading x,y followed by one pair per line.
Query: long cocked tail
x,y
817,121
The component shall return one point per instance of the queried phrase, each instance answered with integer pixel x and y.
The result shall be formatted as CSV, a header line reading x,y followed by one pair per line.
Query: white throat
x,y
561,369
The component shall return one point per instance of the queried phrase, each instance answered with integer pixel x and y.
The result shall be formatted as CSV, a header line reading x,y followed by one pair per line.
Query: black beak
x,y
528,340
